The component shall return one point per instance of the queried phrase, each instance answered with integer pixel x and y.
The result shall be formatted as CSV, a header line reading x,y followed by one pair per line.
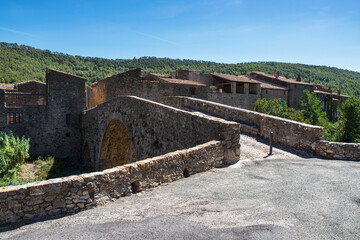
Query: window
x,y
68,119
192,90
67,134
12,118
266,91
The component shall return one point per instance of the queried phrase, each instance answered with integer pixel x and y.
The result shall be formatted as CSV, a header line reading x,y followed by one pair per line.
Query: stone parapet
x,y
337,150
288,132
75,193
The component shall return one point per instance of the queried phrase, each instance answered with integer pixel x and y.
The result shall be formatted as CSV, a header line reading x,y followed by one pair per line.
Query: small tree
x,y
350,121
312,109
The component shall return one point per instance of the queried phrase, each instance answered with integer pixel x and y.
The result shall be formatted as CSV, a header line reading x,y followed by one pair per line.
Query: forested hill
x,y
21,63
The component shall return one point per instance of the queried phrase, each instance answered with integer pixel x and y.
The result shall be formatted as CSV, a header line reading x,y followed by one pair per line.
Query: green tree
x,y
349,130
312,109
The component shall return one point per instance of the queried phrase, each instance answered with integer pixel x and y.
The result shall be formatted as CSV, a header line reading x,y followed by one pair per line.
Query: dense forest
x,y
21,63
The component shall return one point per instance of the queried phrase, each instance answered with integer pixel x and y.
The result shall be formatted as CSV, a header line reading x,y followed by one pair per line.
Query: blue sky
x,y
319,32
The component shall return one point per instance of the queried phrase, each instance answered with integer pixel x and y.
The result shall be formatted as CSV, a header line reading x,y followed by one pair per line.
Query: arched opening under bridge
x,y
116,146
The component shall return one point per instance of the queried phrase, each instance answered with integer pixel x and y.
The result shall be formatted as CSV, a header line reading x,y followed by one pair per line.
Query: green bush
x,y
277,108
349,130
312,109
13,151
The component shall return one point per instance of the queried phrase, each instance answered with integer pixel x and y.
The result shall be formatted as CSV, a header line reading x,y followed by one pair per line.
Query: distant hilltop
x,y
22,63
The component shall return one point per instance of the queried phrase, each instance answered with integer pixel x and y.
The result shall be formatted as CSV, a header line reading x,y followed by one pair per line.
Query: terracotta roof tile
x,y
266,85
282,78
160,75
6,86
333,94
180,81
234,78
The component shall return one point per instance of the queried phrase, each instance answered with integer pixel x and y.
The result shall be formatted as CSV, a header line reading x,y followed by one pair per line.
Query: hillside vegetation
x,y
21,63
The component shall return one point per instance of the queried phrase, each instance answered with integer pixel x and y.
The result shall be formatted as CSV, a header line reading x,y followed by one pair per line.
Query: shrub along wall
x,y
75,193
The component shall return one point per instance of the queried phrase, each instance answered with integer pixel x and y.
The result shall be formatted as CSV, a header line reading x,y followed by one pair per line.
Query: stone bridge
x,y
129,129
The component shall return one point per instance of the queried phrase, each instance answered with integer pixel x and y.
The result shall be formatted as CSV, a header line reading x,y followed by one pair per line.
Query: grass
x,y
42,168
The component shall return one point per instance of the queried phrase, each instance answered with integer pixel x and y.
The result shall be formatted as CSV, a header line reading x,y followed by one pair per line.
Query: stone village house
x,y
50,113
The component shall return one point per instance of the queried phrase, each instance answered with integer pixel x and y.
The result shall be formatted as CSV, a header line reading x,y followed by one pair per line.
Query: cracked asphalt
x,y
284,196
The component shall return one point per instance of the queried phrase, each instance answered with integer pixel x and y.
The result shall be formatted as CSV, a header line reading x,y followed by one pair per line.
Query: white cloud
x,y
14,31
155,37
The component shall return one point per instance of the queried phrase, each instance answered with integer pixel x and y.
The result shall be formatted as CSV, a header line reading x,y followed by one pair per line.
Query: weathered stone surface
x,y
44,119
70,206
48,208
55,212
294,134
80,205
149,124
337,150
50,198
115,182
59,203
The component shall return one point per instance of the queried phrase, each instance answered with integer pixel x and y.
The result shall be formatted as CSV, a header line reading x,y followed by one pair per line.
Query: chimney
x,y
309,81
276,74
287,76
298,78
339,92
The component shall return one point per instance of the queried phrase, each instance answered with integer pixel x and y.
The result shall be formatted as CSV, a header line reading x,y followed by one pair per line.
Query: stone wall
x,y
295,134
234,99
131,83
337,150
26,93
155,129
54,128
295,93
66,102
31,126
270,94
32,86
75,193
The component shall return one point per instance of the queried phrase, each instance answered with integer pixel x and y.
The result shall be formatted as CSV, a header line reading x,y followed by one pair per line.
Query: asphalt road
x,y
304,198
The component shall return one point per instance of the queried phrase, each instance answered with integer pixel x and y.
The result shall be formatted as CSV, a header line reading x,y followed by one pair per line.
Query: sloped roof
x,y
281,78
265,85
69,74
30,81
333,94
180,81
160,75
234,78
6,86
